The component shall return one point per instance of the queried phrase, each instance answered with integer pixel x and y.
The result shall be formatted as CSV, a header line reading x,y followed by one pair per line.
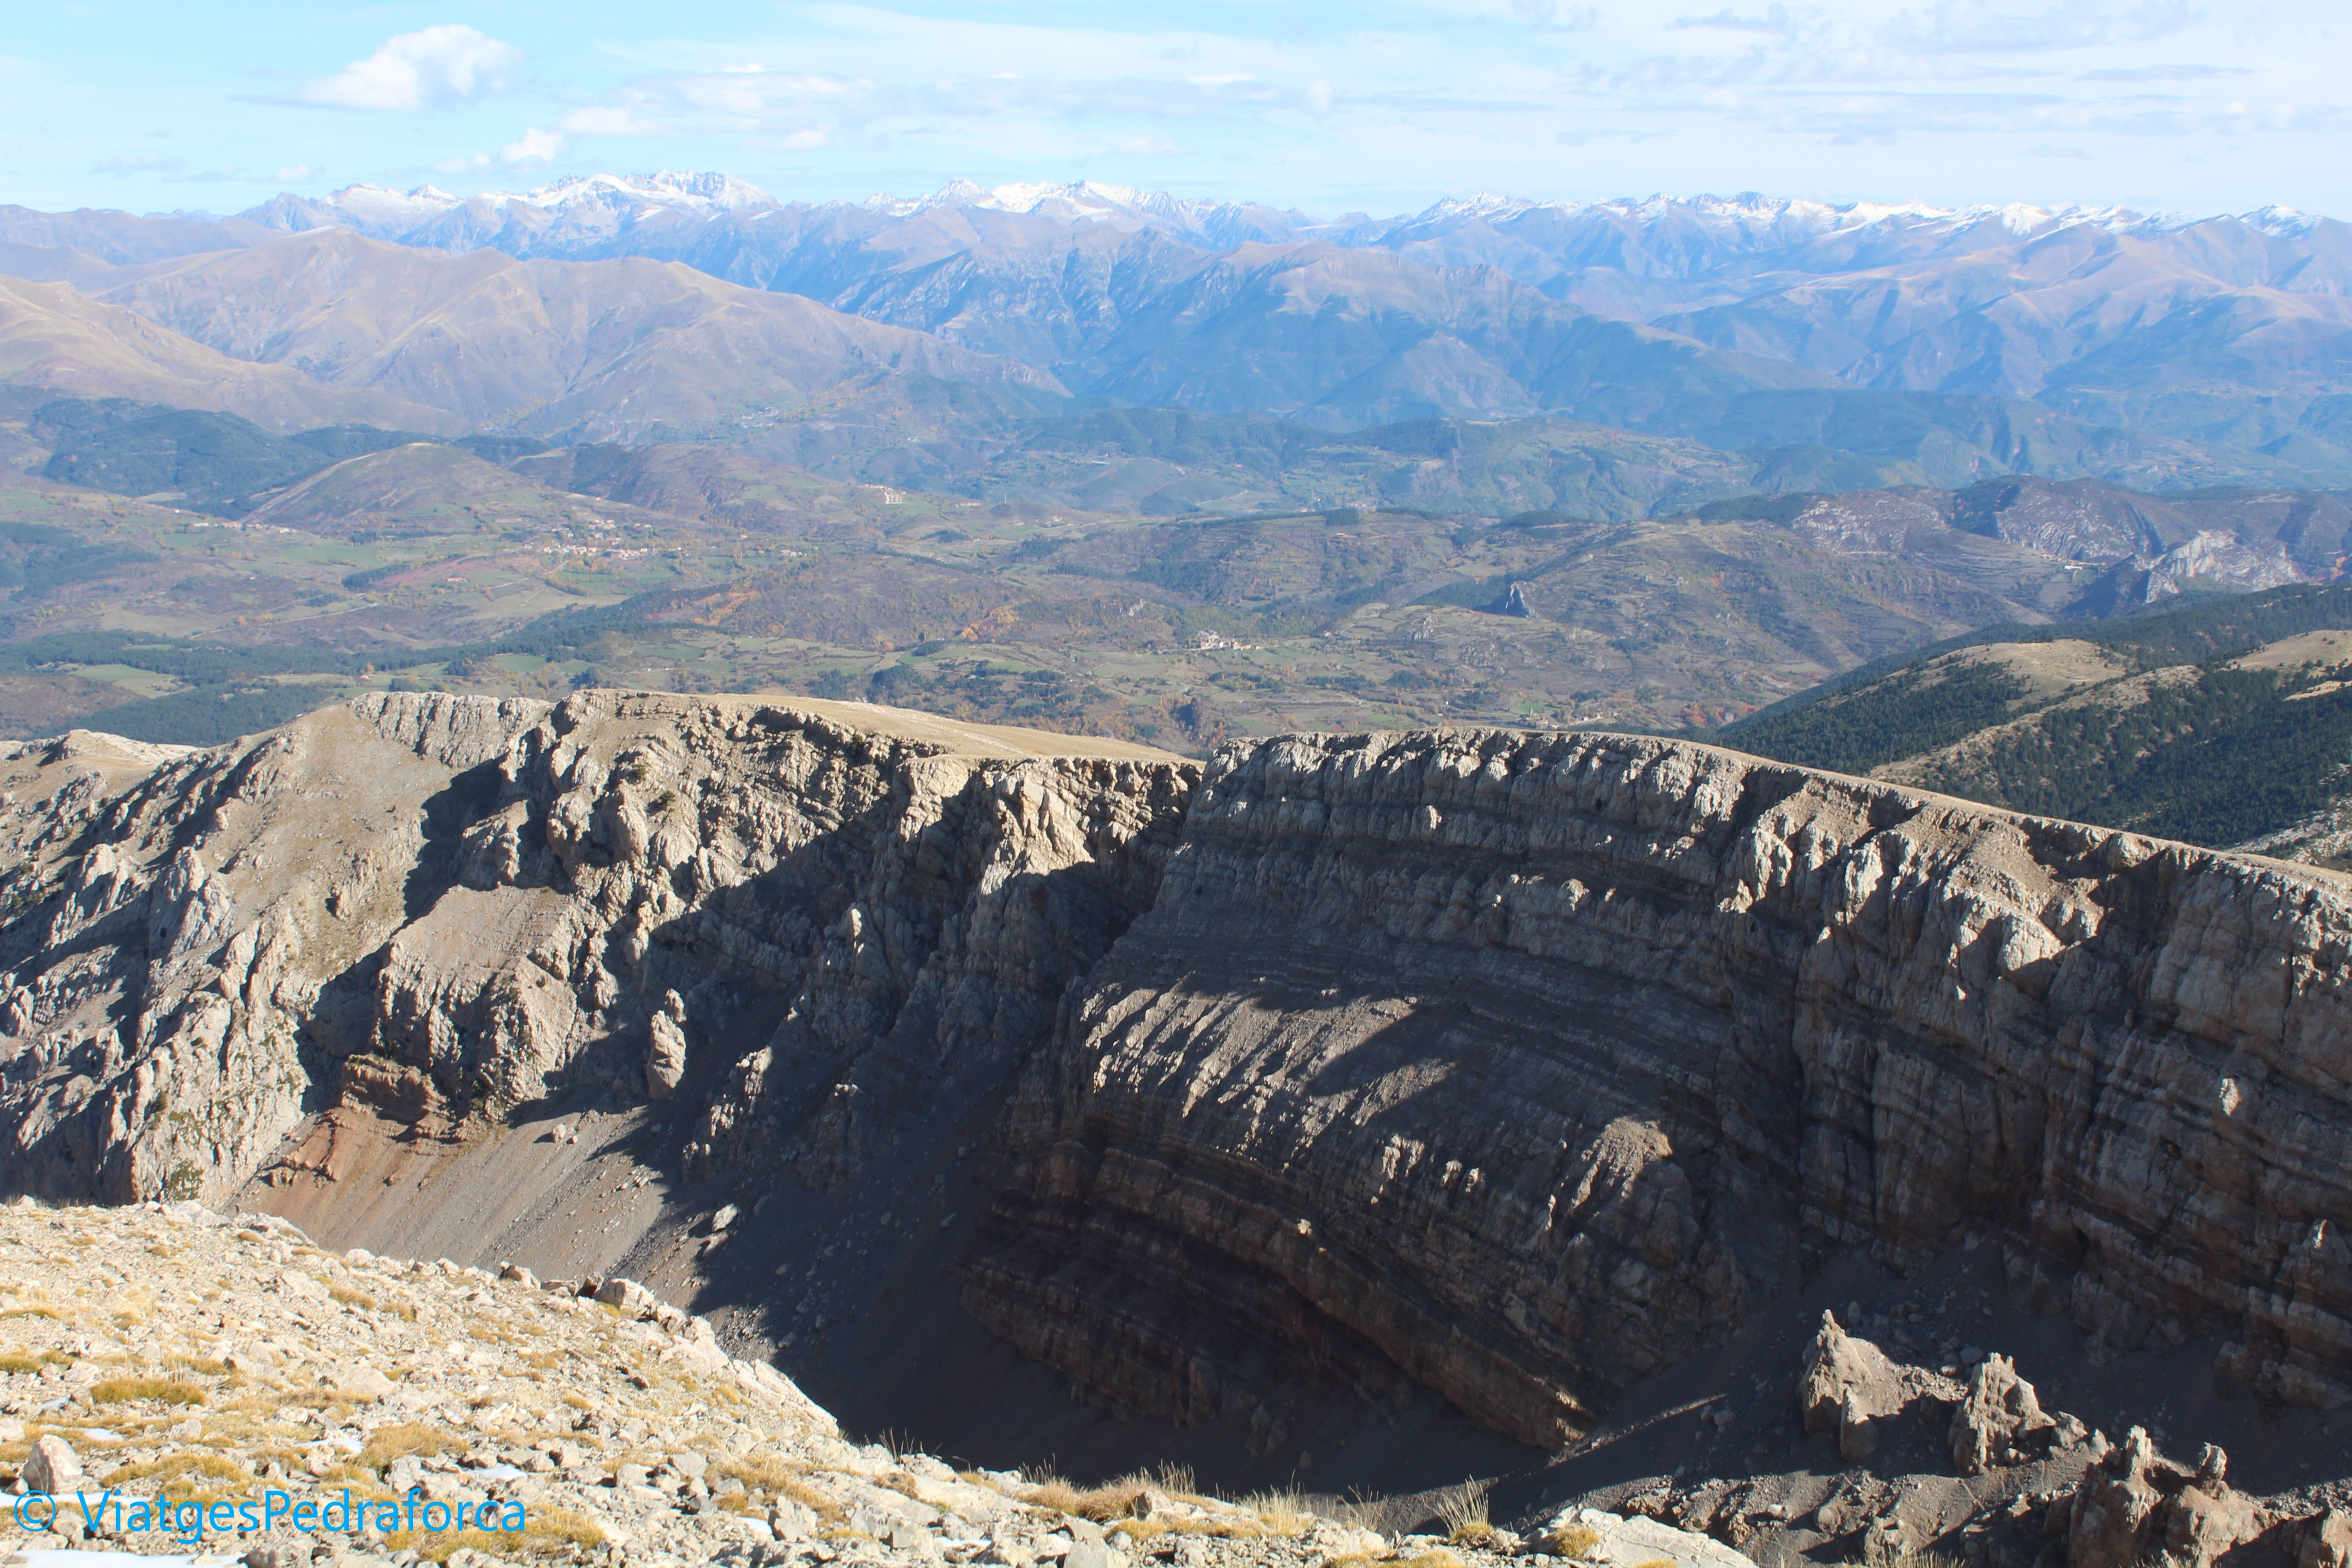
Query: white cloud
x,y
1774,21
603,121
1972,26
294,174
431,68
533,146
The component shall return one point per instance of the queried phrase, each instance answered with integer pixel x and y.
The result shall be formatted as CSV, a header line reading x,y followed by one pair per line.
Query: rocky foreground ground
x,y
167,1352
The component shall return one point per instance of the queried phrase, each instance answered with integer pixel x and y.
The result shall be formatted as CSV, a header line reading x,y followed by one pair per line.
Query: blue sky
x,y
1378,106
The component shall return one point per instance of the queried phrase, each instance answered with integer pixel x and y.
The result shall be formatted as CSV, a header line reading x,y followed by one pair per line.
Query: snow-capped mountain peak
x,y
694,191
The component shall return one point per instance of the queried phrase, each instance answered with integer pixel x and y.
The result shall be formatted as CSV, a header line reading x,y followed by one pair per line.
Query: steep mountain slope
x,y
1336,337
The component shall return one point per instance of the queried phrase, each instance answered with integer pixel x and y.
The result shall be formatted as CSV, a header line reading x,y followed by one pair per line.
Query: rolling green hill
x,y
2225,721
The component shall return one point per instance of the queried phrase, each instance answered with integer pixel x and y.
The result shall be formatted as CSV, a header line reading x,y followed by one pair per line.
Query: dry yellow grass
x,y
1463,1511
178,1467
1435,1557
162,1390
780,1481
1111,1504
1115,1500
552,1531
1283,1512
1572,1540
386,1443
19,1364
350,1298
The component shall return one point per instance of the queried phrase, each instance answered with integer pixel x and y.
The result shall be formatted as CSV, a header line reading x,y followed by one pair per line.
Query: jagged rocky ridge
x,y
1514,1067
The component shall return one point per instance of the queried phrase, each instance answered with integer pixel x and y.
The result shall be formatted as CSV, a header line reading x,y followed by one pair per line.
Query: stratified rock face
x,y
445,905
1522,1064
1516,1067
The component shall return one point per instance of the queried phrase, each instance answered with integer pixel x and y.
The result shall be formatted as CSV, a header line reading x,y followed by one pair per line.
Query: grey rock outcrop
x,y
2001,1422
666,1047
2325,1541
51,1467
1848,1387
1620,1541
2134,1506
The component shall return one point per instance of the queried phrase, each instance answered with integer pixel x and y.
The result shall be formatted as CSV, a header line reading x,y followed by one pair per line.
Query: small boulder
x,y
360,1382
51,1467
631,1297
516,1274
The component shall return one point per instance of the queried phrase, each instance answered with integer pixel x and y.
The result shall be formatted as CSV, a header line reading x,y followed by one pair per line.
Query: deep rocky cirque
x,y
1401,1076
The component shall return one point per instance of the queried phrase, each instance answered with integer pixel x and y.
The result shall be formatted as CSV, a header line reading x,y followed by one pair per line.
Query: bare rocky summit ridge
x,y
1517,1068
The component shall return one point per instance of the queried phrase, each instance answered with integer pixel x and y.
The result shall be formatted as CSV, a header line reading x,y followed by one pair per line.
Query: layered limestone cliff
x,y
1522,1066
442,909
1512,1066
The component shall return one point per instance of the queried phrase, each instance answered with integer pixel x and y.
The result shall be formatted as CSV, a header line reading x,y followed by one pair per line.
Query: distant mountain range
x,y
1184,471
2156,352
